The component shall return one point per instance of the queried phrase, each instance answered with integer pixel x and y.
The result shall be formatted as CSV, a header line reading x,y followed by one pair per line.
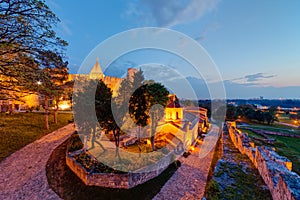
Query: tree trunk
x,y
13,106
117,141
55,111
152,132
46,112
139,134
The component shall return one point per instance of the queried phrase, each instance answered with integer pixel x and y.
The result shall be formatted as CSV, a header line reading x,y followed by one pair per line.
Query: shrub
x,y
75,143
213,192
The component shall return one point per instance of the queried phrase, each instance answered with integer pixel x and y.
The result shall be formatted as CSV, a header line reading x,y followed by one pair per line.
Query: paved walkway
x,y
189,180
23,174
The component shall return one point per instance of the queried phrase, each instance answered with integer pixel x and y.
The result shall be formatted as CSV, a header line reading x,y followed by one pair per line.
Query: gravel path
x,y
23,174
190,179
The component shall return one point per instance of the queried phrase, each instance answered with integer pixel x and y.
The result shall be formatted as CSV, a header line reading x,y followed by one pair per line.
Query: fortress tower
x,y
96,72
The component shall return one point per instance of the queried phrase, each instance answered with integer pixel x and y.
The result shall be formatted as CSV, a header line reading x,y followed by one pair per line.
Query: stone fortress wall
x,y
273,168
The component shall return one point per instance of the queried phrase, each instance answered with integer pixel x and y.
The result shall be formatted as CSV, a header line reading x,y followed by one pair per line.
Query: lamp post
x,y
38,93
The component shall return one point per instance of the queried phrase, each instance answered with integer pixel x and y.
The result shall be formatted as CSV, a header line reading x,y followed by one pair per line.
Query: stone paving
x,y
23,174
189,180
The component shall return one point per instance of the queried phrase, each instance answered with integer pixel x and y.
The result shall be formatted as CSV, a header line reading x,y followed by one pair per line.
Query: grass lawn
x,y
274,128
285,146
19,129
290,149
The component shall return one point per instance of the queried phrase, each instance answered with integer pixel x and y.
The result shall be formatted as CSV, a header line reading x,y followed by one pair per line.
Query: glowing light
x,y
39,83
148,142
64,105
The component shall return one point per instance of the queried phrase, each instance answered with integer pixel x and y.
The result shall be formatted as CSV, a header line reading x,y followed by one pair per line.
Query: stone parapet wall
x,y
112,180
274,169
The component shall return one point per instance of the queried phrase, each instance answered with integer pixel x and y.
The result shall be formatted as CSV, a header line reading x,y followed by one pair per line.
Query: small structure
x,y
174,112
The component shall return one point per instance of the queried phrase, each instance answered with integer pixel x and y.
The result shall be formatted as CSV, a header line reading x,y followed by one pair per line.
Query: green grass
x,y
290,149
285,146
19,129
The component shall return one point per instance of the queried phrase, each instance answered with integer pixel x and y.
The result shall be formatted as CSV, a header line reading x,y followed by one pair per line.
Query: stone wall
x,y
274,169
111,180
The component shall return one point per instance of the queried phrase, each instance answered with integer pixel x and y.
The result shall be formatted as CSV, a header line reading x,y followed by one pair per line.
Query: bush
x,y
85,160
213,192
186,154
75,143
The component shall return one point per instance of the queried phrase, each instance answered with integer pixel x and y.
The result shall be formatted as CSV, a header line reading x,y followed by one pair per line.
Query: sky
x,y
255,44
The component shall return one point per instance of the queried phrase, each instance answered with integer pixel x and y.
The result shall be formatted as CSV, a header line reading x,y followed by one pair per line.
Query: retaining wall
x,y
274,169
111,180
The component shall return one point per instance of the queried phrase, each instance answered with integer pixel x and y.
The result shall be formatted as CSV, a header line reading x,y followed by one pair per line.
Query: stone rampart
x,y
274,169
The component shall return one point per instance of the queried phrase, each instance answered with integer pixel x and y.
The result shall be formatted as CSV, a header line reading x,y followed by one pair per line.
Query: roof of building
x,y
96,69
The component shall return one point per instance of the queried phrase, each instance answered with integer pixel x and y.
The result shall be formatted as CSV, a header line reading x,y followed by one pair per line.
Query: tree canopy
x,y
26,32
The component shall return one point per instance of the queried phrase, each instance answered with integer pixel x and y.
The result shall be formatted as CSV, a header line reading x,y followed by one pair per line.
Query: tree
x,y
26,30
138,80
259,116
138,107
148,102
250,113
205,104
231,112
157,95
269,116
124,91
54,75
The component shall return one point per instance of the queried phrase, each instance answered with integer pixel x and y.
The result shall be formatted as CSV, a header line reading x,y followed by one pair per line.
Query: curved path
x,y
190,179
23,174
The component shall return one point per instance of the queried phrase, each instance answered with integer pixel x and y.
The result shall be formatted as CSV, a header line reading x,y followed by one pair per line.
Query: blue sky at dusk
x,y
255,44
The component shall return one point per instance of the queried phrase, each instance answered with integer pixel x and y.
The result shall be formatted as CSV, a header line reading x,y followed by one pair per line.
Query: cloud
x,y
252,79
257,77
64,27
209,28
53,4
169,13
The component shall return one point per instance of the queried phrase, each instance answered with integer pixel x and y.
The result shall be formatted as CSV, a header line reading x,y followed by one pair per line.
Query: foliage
x,y
148,102
75,143
26,32
205,104
214,192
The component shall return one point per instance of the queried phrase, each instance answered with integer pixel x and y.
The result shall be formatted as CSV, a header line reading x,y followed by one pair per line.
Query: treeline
x,y
247,111
251,113
284,103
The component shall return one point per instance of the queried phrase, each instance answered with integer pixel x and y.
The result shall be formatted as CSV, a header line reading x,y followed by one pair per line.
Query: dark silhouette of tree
x,y
205,104
231,112
157,95
250,113
259,116
138,106
269,116
148,102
